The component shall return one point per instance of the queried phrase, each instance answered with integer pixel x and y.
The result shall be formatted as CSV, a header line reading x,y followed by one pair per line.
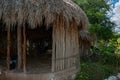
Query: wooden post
x,y
19,47
24,49
8,48
53,50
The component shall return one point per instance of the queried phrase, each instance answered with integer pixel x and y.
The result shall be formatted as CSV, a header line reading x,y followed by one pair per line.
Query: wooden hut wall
x,y
84,48
65,45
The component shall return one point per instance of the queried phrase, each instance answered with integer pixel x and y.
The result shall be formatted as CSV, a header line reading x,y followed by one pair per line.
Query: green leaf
x,y
118,40
118,47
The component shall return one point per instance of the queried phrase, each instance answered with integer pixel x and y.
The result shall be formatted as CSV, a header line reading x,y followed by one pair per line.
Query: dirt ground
x,y
39,64
35,65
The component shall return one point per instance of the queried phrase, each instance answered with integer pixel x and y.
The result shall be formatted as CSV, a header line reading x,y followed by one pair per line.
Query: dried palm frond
x,y
34,11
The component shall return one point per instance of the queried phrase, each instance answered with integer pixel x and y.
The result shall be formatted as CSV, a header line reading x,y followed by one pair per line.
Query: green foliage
x,y
108,58
93,71
104,59
110,49
96,11
118,44
108,70
104,33
82,76
118,40
95,50
106,55
107,62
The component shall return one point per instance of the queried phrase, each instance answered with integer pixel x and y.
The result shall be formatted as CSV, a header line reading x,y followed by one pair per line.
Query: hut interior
x,y
39,49
2,45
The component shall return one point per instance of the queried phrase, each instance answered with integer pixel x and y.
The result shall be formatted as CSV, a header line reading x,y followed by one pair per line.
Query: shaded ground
x,y
37,64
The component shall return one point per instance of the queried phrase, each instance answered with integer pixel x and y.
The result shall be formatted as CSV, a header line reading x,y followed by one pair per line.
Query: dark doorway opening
x,y
39,50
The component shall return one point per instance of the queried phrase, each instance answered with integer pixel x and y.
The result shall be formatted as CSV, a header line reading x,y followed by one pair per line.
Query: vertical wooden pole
x,y
53,49
63,54
8,48
24,49
19,47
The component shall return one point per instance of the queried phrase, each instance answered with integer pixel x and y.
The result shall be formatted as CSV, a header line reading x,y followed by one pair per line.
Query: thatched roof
x,y
86,36
33,12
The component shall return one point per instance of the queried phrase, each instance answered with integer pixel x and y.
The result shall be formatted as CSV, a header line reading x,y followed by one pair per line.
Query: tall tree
x,y
96,11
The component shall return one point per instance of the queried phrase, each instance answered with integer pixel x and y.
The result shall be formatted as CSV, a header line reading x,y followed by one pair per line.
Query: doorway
x,y
39,50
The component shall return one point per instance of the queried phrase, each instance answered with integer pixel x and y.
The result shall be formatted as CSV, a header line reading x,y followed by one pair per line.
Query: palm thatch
x,y
85,40
86,36
33,12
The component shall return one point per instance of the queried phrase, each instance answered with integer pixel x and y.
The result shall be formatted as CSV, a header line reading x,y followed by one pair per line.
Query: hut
x,y
86,40
57,20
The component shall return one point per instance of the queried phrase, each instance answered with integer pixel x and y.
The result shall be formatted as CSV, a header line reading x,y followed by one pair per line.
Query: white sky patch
x,y
116,16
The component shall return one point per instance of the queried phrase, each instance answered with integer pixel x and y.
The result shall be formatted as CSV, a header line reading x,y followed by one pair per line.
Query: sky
x,y
113,2
116,14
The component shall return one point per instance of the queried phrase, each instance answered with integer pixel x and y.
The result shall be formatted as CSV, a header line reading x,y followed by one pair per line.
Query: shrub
x,y
93,71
